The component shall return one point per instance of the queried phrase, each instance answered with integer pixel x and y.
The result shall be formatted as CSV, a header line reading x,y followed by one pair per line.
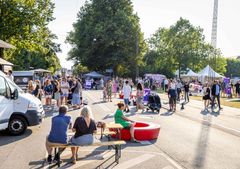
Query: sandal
x,y
73,160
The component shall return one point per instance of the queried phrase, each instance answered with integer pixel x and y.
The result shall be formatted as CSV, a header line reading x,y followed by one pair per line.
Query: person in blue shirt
x,y
58,133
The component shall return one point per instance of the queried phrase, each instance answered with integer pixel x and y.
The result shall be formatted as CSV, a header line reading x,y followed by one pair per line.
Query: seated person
x,y
84,127
124,121
58,133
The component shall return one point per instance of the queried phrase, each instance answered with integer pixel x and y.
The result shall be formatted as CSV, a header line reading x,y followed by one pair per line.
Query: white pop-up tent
x,y
191,73
208,72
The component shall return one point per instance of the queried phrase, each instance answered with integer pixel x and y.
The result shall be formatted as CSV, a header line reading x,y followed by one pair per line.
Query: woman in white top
x,y
64,91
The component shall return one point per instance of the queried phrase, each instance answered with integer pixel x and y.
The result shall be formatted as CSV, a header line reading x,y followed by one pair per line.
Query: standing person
x,y
48,91
237,89
124,121
101,83
216,94
166,84
38,91
186,91
172,95
126,95
30,87
140,94
109,90
76,94
58,133
104,94
179,86
56,93
84,127
64,91
206,96
114,88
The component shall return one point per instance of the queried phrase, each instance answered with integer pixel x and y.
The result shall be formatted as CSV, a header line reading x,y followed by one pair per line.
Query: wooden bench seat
x,y
116,145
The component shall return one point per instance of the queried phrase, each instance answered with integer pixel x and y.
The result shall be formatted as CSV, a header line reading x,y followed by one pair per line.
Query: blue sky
x,y
162,13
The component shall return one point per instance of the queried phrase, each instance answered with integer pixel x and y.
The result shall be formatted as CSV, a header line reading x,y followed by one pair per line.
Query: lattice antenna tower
x,y
214,24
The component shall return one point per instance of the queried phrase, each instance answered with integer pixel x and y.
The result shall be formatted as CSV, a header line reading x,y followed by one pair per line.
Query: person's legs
x,y
74,150
205,104
187,96
213,101
132,131
49,150
218,100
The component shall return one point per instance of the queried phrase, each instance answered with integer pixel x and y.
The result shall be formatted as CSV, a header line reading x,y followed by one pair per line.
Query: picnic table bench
x,y
116,145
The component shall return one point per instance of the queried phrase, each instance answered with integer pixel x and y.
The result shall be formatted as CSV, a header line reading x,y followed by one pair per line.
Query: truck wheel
x,y
17,125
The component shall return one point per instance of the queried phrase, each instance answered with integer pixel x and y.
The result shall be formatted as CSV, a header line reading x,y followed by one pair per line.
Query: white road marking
x,y
145,117
88,160
168,167
172,161
135,161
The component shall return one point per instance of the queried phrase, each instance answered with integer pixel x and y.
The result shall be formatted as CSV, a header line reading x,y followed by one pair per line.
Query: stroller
x,y
154,102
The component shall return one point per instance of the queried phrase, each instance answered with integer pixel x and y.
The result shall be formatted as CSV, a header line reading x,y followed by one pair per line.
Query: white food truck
x,y
17,108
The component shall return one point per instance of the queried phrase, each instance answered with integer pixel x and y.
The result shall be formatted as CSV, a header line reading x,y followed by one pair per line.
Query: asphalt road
x,y
182,143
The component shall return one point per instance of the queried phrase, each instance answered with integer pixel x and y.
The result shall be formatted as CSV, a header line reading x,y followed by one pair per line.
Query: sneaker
x,y
49,159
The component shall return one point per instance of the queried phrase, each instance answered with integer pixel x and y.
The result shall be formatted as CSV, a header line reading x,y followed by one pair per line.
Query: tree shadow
x,y
6,138
202,146
167,113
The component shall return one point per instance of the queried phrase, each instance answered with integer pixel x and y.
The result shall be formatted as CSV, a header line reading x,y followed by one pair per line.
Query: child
x,y
172,95
104,94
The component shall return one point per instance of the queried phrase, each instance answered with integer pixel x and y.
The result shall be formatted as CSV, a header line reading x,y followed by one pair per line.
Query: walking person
x,y
48,91
76,94
109,91
56,94
65,87
206,96
179,86
186,91
139,99
237,89
172,95
216,94
126,95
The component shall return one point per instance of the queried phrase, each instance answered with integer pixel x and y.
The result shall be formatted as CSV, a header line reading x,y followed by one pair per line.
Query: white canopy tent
x,y
208,72
191,74
93,75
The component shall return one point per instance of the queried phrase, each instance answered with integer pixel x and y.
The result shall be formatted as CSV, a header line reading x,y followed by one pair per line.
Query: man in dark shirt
x,y
237,87
58,134
172,95
186,92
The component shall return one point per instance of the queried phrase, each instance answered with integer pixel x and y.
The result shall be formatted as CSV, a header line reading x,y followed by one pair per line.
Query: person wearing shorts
x,y
126,94
124,121
64,90
172,95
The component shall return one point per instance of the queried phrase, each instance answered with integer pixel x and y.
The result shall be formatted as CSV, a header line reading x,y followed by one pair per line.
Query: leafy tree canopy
x,y
107,35
181,46
23,23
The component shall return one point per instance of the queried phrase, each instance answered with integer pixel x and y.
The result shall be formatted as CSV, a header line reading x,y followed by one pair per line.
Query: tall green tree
x,y
233,68
23,23
106,35
183,46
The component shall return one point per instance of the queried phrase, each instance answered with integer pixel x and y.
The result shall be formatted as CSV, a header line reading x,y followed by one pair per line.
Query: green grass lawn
x,y
223,101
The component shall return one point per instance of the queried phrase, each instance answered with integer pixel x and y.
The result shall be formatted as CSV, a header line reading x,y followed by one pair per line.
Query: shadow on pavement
x,y
6,138
202,146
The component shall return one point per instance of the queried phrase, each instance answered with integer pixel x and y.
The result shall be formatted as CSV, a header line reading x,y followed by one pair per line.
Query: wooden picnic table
x,y
115,126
